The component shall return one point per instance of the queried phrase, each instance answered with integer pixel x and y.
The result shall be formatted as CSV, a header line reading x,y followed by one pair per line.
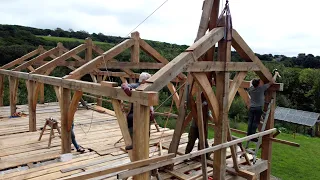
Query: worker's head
x,y
255,82
143,77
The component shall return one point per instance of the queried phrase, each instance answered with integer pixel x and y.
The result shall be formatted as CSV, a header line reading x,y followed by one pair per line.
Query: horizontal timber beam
x,y
132,172
273,87
208,66
132,65
144,98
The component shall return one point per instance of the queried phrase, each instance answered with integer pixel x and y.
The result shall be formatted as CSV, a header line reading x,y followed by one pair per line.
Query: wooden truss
x,y
197,60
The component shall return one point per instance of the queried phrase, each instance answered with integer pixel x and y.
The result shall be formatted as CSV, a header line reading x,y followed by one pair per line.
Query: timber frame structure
x,y
199,63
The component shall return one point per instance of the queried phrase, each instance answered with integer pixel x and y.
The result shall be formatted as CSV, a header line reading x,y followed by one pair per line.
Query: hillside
x,y
301,90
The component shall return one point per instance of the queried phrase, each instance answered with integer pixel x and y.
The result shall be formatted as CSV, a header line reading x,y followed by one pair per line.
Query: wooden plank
x,y
96,62
266,146
73,107
175,95
63,57
65,132
145,98
88,52
192,154
173,148
205,17
100,52
141,126
205,86
178,64
222,93
122,120
135,49
273,87
132,65
162,77
247,54
109,84
99,98
39,58
155,55
245,96
284,142
104,171
202,136
23,58
41,93
32,108
206,42
234,86
1,89
208,66
177,174
13,84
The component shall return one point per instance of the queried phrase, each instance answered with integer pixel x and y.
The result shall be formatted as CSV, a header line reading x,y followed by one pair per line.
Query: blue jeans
x,y
73,138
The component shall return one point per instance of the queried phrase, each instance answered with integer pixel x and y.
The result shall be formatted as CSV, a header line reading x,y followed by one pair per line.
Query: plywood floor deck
x,y
24,157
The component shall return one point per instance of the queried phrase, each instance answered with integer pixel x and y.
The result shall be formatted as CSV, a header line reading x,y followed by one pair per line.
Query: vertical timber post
x,y
32,103
41,93
141,127
65,133
221,130
135,49
99,98
13,86
266,147
1,89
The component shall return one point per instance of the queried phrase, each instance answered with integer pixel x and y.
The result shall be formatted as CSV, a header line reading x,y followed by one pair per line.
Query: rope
x,y
147,17
168,115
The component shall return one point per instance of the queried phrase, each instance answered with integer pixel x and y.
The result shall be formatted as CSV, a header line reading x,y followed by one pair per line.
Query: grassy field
x,y
291,162
64,39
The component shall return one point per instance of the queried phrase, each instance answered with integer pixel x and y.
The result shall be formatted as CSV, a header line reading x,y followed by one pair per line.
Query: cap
x,y
144,76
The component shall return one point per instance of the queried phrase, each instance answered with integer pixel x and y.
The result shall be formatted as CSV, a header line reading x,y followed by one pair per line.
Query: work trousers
x,y
254,119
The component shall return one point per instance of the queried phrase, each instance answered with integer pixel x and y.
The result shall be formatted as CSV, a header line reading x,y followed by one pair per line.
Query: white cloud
x,y
283,27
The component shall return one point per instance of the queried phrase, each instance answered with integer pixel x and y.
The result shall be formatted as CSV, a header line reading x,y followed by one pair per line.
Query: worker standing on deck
x,y
194,133
127,89
256,92
74,142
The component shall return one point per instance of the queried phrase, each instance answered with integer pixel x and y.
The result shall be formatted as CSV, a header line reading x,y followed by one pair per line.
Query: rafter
x,y
177,65
96,62
247,54
23,58
63,57
39,58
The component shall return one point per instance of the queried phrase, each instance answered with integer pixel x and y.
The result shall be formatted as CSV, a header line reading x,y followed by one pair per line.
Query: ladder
x,y
258,143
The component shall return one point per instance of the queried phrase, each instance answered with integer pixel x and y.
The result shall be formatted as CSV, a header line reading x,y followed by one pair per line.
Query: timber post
x,y
13,85
1,89
65,95
32,104
141,130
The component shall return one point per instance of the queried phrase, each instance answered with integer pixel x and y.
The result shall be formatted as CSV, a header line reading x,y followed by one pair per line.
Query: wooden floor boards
x,y
24,157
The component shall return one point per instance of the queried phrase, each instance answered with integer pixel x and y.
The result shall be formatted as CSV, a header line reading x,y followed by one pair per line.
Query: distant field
x,y
64,39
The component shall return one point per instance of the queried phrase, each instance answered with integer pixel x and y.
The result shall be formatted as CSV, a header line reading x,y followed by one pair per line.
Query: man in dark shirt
x,y
256,92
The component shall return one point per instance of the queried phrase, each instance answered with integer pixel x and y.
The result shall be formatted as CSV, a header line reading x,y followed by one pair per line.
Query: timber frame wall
x,y
198,61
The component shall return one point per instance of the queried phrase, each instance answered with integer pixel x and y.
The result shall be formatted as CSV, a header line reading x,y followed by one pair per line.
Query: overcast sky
x,y
284,27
